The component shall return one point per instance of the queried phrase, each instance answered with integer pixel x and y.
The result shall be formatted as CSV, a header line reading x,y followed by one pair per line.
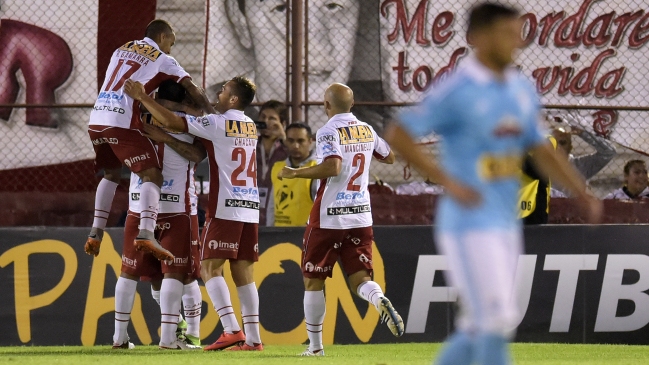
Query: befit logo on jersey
x,y
132,160
348,196
240,129
166,184
245,191
110,95
220,245
355,134
313,268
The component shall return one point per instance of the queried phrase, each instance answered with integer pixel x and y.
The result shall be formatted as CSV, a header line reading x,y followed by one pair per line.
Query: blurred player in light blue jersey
x,y
486,115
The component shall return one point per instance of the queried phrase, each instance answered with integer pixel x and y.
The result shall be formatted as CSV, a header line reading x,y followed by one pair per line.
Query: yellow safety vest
x,y
527,195
293,201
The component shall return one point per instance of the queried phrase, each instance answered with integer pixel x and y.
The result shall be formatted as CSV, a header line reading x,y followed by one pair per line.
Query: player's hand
x,y
594,209
155,133
287,173
465,195
134,89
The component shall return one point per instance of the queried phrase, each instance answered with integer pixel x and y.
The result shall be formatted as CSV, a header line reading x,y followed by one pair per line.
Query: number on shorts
x,y
133,66
239,155
358,161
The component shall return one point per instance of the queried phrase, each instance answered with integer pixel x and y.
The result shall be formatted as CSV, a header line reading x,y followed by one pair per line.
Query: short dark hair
x,y
244,89
280,108
484,15
630,163
171,90
157,27
300,125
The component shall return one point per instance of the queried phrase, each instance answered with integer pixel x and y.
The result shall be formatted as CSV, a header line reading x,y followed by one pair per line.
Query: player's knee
x,y
312,284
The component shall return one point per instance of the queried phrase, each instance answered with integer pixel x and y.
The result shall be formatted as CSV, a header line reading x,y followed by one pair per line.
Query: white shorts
x,y
483,267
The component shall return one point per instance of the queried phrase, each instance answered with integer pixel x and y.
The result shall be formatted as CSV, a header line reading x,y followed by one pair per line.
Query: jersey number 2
x,y
239,155
358,161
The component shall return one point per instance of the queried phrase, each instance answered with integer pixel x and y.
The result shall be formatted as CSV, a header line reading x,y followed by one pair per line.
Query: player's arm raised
x,y
165,116
559,169
198,95
193,152
330,167
389,159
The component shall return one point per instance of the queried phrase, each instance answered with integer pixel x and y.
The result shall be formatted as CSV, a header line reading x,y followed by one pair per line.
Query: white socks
x,y
249,298
103,202
171,292
192,301
124,297
314,313
370,291
220,296
149,202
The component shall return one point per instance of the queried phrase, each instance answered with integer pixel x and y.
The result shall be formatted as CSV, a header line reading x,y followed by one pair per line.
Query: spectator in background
x,y
534,194
588,165
635,183
270,149
290,200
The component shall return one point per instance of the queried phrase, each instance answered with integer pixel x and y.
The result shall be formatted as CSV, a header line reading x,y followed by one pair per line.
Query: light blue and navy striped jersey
x,y
486,126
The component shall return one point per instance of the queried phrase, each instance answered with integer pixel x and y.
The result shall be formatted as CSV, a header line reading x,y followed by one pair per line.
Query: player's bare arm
x,y
389,160
179,107
166,117
559,169
198,95
193,152
402,142
328,168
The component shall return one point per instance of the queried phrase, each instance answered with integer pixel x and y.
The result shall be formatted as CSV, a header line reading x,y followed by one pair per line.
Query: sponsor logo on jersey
x,y
349,196
240,129
103,140
358,209
129,262
130,161
220,245
172,198
142,49
237,203
355,134
109,108
110,95
496,167
161,226
326,138
362,258
311,268
180,261
166,184
245,191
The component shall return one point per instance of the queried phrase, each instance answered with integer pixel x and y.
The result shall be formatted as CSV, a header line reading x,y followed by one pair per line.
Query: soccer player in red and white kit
x,y
115,130
176,232
230,232
340,224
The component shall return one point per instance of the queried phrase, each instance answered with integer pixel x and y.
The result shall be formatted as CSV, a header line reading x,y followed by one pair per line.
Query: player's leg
x,y
493,256
192,297
242,275
149,202
174,234
155,294
356,260
104,159
459,348
218,244
319,255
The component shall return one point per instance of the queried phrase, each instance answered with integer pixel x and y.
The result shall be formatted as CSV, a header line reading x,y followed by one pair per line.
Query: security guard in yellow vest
x,y
534,195
292,199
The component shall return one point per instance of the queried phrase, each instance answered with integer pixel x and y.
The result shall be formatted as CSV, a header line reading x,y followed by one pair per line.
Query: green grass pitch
x,y
406,353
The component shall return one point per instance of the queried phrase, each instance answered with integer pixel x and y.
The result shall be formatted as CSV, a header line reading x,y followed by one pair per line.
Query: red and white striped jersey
x,y
230,140
176,189
141,61
343,201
